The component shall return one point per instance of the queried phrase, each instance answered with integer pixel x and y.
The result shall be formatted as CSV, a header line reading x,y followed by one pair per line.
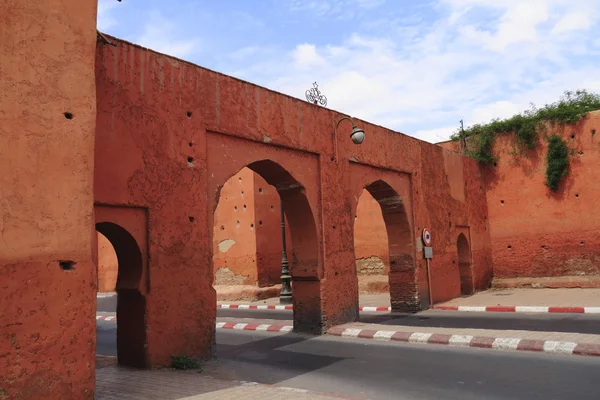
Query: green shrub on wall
x,y
571,108
557,161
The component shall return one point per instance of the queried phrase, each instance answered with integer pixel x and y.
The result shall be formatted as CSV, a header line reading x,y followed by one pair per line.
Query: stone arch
x,y
304,264
131,303
403,284
464,265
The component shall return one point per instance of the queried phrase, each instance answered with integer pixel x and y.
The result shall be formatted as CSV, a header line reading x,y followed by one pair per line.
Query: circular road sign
x,y
426,237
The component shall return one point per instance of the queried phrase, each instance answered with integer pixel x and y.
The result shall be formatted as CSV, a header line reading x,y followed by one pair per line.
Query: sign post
x,y
428,253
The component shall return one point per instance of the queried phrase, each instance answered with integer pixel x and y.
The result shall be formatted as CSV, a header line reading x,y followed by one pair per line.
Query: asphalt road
x,y
578,323
547,322
394,371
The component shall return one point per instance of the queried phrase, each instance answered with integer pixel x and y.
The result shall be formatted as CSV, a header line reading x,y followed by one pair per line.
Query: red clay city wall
x,y
169,133
48,284
539,233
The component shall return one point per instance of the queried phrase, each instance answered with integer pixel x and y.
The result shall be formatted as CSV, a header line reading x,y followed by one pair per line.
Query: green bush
x,y
571,107
557,161
185,362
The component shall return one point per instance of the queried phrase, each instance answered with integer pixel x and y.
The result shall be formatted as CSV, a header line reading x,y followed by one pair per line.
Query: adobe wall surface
x,y
370,237
107,265
187,130
47,324
539,233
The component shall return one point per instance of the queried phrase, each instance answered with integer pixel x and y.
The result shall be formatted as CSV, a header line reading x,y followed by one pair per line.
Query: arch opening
x,y
247,238
403,286
130,301
464,265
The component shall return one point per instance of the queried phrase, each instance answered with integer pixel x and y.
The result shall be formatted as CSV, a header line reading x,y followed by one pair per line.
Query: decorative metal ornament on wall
x,y
314,96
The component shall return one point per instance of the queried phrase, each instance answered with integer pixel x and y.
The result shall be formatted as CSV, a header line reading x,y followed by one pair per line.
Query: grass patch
x,y
557,161
569,109
185,363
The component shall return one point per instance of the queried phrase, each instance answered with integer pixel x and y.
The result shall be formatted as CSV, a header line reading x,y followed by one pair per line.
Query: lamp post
x,y
285,296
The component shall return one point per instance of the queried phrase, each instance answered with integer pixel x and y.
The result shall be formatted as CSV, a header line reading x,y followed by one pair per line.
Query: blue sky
x,y
415,66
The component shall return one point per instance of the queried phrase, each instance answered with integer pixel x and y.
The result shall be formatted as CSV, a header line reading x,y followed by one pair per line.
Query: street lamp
x,y
357,135
285,296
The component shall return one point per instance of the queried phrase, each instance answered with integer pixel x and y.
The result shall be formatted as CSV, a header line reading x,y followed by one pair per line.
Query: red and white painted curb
x,y
497,343
254,327
289,307
106,318
522,309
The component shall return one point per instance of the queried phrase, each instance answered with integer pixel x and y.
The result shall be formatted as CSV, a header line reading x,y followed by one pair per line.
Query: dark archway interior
x,y
304,263
402,276
464,265
131,303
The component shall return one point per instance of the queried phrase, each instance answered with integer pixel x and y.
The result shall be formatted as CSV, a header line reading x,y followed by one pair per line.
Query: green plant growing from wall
x,y
569,109
557,161
185,363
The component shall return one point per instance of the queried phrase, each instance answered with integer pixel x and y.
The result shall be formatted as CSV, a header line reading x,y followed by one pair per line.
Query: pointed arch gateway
x,y
304,263
131,302
404,295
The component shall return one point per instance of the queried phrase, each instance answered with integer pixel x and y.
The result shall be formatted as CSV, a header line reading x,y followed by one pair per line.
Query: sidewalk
x,y
528,300
117,383
493,300
566,343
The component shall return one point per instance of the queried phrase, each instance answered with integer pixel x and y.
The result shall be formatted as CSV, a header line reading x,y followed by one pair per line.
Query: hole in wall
x,y
509,247
245,207
333,226
189,114
237,224
580,152
332,158
191,218
223,226
190,161
582,243
501,201
251,226
242,192
260,190
240,179
272,208
495,164
67,265
593,132
572,136
544,247
191,144
260,222
235,208
68,115
576,194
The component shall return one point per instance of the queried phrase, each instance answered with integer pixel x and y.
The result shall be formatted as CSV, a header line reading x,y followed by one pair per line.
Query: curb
x,y
522,309
254,327
486,342
496,343
289,307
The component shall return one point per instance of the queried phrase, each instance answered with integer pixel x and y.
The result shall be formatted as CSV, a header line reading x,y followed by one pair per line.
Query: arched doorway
x,y
131,303
304,252
371,249
403,285
464,265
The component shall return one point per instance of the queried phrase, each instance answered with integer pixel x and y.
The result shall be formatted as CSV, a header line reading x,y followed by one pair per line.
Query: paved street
x,y
374,370
579,323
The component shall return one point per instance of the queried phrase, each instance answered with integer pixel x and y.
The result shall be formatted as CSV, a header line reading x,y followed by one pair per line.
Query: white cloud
x,y
422,73
160,34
